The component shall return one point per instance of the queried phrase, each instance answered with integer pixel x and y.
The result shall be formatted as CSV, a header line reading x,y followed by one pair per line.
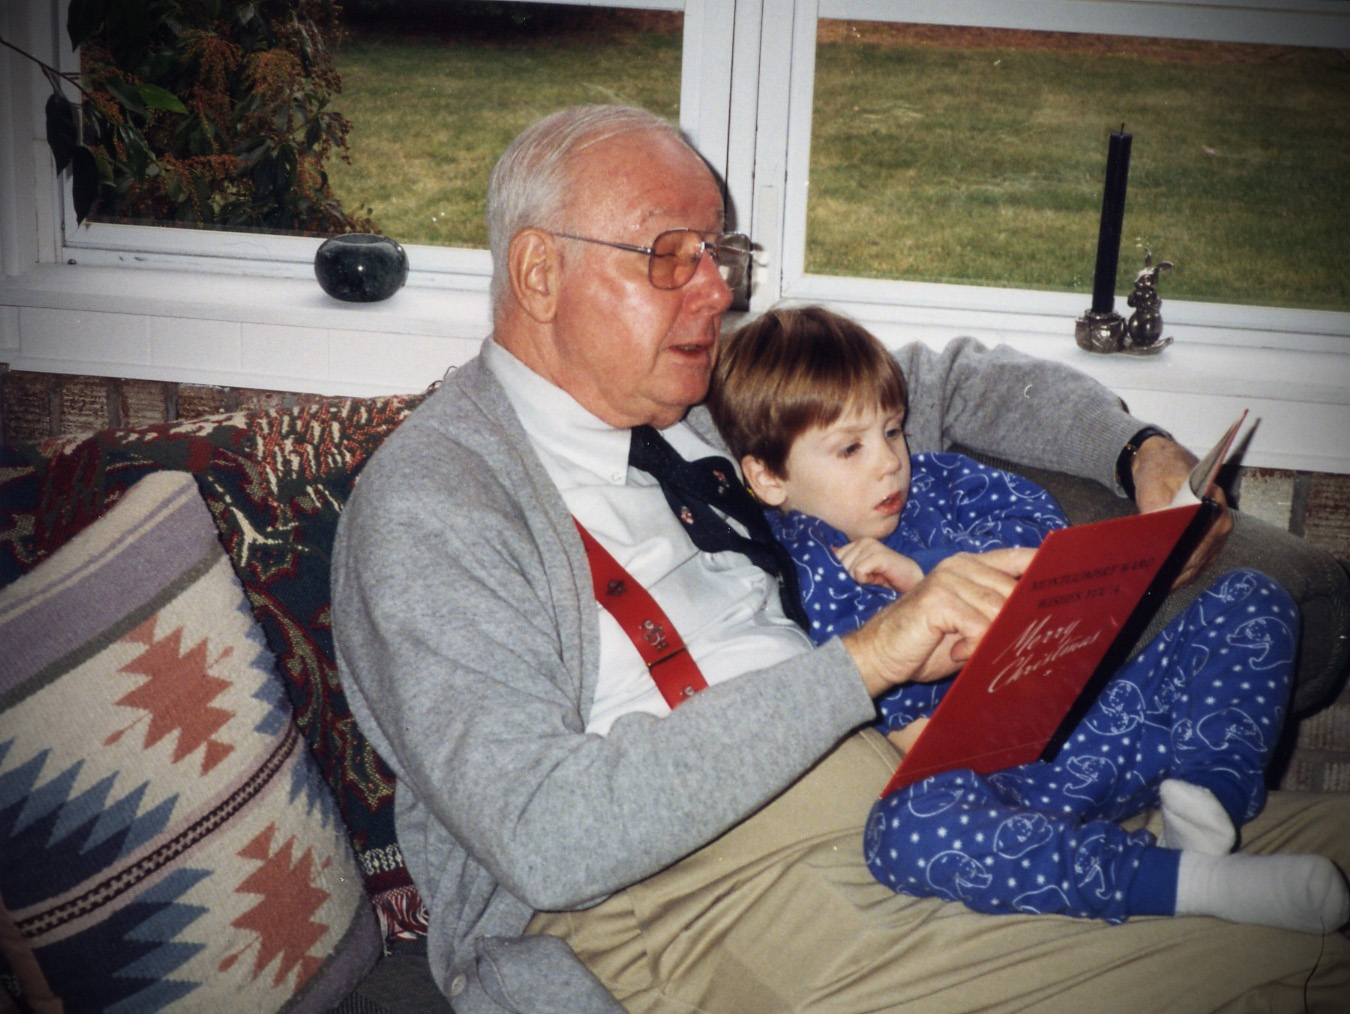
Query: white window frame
x,y
244,310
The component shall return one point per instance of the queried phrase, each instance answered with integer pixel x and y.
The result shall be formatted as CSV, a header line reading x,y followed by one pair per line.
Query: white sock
x,y
1289,891
1193,819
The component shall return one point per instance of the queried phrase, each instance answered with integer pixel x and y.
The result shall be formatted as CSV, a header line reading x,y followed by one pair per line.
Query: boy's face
x,y
852,474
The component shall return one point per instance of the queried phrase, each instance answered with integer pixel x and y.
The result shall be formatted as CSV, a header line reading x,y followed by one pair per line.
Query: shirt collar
x,y
557,425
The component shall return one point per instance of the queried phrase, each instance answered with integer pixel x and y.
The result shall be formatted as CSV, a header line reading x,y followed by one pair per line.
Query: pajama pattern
x,y
1204,703
955,505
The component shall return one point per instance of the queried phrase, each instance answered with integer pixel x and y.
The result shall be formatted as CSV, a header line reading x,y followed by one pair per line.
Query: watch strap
x,y
1125,460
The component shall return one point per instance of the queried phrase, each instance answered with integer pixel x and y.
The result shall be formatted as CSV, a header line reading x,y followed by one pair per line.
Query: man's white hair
x,y
530,182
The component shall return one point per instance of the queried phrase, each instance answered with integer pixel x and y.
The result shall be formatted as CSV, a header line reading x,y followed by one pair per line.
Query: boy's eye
x,y
895,433
850,450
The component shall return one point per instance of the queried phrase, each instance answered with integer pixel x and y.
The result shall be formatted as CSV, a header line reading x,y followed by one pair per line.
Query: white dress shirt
x,y
732,623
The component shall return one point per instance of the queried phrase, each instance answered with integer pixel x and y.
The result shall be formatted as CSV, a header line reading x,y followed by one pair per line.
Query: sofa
x,y
189,816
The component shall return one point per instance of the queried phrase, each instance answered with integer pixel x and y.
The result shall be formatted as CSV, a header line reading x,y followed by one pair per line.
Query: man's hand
x,y
1161,466
870,562
930,632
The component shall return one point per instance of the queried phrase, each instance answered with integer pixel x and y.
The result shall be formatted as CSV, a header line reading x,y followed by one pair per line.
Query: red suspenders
x,y
658,642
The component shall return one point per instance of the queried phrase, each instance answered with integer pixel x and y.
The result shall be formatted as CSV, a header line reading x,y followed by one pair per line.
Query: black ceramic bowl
x,y
360,267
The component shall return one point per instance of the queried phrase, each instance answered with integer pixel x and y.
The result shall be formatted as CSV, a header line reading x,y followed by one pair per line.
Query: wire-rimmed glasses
x,y
674,255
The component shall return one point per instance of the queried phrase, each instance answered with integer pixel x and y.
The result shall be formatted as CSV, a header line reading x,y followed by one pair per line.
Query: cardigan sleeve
x,y
1001,402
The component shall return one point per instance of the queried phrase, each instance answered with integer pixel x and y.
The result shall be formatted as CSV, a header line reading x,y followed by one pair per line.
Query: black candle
x,y
1113,213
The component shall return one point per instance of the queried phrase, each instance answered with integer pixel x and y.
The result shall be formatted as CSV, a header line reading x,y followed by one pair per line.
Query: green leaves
x,y
206,111
140,99
155,97
128,96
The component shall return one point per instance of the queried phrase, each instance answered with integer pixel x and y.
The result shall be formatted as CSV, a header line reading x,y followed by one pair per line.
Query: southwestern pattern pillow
x,y
275,481
166,839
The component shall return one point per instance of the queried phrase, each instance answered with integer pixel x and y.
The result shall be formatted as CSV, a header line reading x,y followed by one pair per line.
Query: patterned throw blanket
x,y
275,482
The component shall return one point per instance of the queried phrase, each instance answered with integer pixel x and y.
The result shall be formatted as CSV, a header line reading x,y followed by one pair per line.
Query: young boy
x,y
813,406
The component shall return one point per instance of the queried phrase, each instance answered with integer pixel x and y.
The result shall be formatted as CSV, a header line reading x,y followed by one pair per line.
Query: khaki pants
x,y
781,914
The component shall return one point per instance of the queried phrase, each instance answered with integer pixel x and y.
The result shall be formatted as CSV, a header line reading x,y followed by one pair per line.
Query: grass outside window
x,y
432,113
951,155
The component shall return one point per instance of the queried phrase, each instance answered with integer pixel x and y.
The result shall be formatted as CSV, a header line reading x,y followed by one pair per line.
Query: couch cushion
x,y
275,481
165,834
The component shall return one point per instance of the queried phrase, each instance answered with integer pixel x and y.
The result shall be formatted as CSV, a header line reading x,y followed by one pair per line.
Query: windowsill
x,y
418,308
284,333
270,333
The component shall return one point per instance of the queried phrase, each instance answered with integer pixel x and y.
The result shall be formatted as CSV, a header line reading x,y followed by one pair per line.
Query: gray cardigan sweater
x,y
467,644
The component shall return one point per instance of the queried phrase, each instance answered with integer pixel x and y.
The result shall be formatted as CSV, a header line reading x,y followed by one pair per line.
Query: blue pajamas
x,y
1203,703
955,505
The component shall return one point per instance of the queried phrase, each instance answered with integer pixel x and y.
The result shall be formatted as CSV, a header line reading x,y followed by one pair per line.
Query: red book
x,y
1051,636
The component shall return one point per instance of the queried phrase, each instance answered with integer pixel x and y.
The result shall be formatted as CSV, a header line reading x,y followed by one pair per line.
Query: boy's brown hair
x,y
794,369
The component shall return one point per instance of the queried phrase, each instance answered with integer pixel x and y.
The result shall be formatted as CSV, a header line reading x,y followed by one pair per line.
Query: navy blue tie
x,y
694,488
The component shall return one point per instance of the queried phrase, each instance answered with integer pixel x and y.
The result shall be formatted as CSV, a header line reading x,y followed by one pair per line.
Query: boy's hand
x,y
930,632
869,562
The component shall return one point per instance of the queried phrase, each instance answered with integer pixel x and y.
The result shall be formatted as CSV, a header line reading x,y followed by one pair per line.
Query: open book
x,y
1053,632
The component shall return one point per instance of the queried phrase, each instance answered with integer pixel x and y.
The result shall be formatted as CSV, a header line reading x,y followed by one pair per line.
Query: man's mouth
x,y
693,350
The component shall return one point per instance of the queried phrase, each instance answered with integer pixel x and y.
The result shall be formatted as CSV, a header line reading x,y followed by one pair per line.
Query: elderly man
x,y
576,838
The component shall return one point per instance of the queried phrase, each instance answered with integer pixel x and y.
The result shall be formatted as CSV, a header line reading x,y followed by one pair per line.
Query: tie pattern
x,y
697,491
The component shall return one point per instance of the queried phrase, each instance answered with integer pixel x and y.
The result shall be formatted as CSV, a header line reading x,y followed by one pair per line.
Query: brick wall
x,y
37,405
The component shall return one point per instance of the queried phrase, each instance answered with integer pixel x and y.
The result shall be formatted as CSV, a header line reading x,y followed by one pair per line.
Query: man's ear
x,y
765,484
533,267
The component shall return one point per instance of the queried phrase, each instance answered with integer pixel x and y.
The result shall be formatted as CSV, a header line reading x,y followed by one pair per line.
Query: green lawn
x,y
431,116
987,165
929,162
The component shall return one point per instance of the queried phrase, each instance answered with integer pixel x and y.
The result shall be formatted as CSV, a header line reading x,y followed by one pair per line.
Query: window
x,y
169,304
976,155
810,270
429,192
765,92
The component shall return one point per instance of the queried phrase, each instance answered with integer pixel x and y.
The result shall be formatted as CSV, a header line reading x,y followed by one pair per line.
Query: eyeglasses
x,y
674,255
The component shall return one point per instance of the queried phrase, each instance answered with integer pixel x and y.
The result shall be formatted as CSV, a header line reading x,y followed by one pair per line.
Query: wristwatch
x,y
1125,463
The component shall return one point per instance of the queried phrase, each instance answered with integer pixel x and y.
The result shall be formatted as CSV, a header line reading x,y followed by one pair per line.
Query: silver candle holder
x,y
1141,335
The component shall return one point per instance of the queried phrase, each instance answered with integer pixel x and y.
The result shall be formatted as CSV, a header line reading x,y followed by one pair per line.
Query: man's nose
x,y
708,287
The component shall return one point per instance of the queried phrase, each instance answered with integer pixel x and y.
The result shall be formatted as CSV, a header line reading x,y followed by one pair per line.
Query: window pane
x,y
977,156
433,106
